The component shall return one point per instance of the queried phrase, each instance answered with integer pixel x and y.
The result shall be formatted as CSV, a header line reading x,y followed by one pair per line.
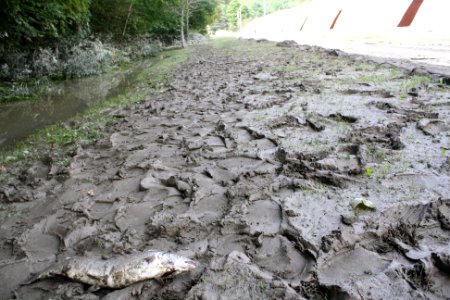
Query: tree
x,y
236,12
43,21
130,9
34,23
232,14
257,10
134,17
245,12
179,8
114,16
221,20
156,17
186,9
204,14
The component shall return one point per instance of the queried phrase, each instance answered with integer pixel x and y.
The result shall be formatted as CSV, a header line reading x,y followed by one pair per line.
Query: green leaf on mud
x,y
369,171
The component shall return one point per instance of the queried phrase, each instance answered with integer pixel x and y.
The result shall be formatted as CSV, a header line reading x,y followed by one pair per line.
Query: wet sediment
x,y
249,161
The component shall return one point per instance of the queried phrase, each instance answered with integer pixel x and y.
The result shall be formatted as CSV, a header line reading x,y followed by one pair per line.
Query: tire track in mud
x,y
248,160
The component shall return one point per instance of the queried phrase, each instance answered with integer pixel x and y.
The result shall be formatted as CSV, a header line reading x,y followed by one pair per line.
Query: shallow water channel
x,y
62,100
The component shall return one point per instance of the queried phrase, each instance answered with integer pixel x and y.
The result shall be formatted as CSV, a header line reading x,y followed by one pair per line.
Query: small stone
x,y
258,239
183,187
239,256
147,183
348,219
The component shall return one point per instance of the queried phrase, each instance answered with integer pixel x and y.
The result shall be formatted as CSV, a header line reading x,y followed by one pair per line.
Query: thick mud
x,y
253,160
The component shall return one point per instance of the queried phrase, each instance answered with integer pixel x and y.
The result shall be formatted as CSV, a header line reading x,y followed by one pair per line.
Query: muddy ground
x,y
254,159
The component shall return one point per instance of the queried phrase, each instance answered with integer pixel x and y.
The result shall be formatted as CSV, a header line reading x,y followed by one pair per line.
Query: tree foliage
x,y
227,15
26,20
45,21
205,14
232,14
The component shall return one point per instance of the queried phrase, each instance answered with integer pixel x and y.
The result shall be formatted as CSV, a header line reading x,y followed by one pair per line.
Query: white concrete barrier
x,y
357,18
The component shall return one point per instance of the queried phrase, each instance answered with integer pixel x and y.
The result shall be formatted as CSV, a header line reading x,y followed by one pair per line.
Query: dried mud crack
x,y
249,160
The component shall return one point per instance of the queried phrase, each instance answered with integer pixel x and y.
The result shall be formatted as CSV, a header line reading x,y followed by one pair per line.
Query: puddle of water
x,y
62,101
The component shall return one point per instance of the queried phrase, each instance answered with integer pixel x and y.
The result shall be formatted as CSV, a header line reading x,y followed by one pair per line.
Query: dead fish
x,y
122,271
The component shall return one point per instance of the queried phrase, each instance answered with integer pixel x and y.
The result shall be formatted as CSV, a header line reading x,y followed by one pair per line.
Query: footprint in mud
x,y
241,165
347,268
261,101
280,256
388,136
432,127
263,217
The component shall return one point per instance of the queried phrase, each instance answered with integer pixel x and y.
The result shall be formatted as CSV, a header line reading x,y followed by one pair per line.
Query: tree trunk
x,y
187,22
130,8
183,40
78,32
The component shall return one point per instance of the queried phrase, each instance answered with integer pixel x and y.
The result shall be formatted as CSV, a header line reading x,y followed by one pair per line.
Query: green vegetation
x,y
60,39
415,81
222,42
88,127
369,171
100,242
382,76
16,91
41,21
54,20
161,69
233,9
229,11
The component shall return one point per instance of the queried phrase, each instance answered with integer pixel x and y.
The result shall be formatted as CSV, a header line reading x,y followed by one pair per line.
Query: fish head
x,y
182,264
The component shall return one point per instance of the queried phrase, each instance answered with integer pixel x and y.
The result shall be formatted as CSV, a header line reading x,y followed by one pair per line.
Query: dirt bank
x,y
254,160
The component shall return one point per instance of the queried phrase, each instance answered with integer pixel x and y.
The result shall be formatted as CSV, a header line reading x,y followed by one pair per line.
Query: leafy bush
x,y
144,47
88,58
14,65
46,63
196,38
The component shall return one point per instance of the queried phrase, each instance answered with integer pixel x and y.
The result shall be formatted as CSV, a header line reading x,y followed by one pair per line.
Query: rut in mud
x,y
248,161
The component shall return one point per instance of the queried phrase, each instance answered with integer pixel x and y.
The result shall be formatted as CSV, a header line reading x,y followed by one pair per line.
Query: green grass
x,y
158,73
238,48
21,91
292,68
415,81
380,76
222,42
89,125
